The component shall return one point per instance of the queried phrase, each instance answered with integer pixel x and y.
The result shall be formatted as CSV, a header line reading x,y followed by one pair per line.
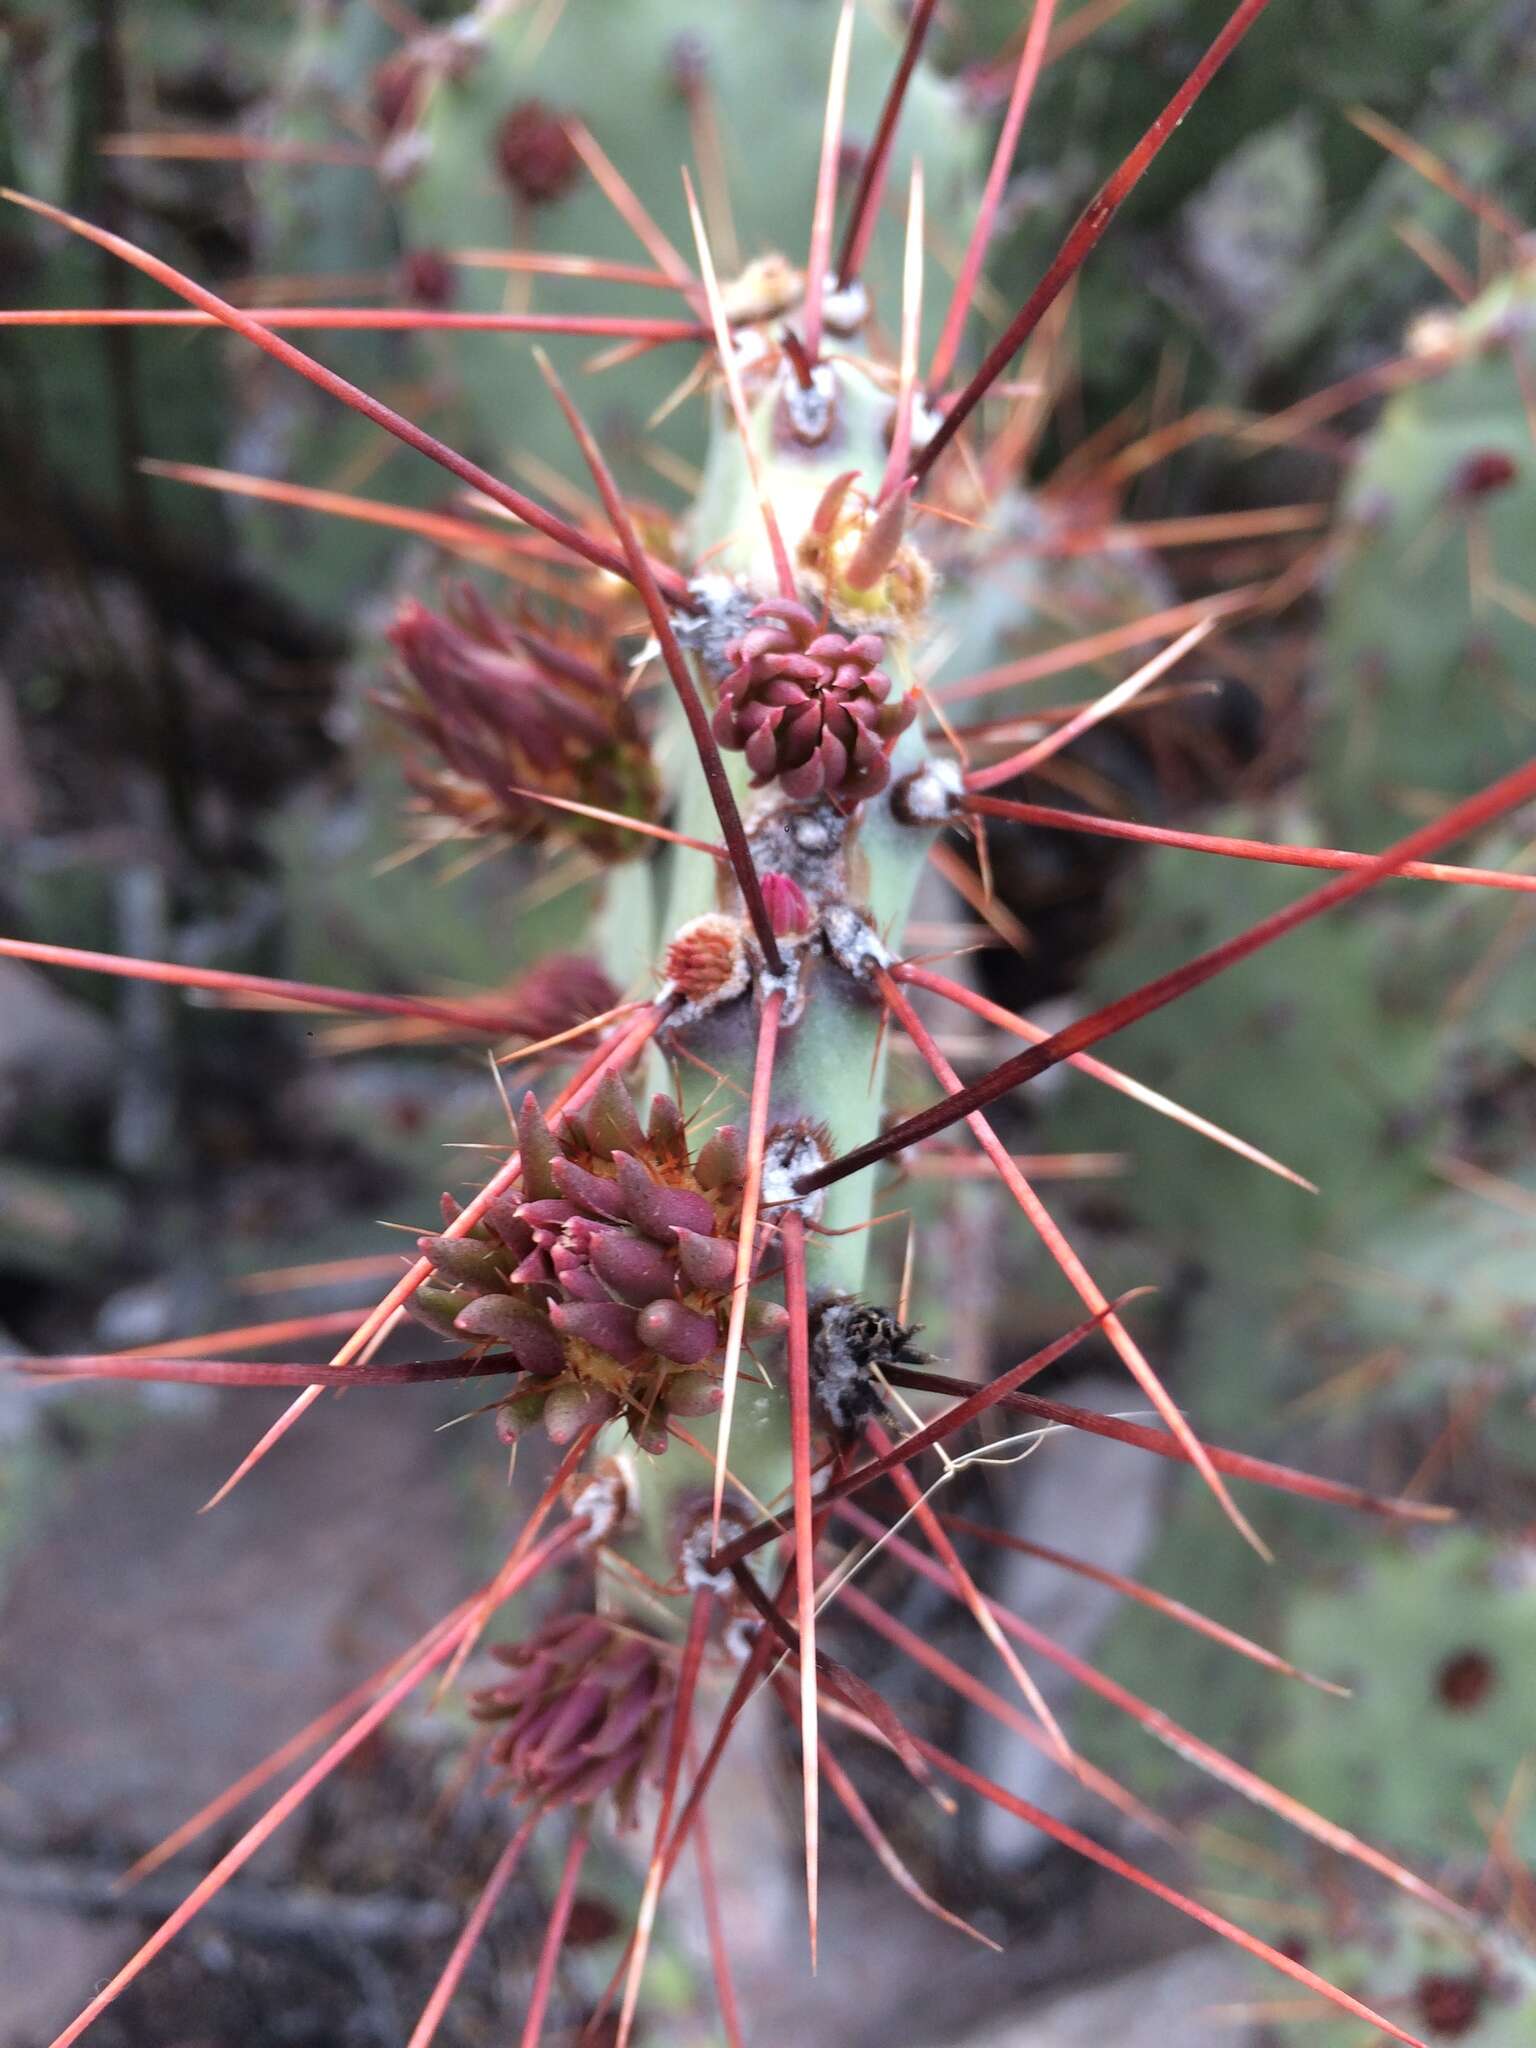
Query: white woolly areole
x,y
930,796
853,941
845,309
698,1547
738,1637
789,1155
926,422
790,984
607,1502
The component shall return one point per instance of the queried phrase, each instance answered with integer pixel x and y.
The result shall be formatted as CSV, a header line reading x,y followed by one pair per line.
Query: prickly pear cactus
x,y
719,720
480,157
1431,609
1433,1640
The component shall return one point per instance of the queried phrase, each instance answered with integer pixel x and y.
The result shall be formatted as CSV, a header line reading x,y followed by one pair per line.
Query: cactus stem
x,y
640,573
1030,64
1112,1077
826,184
1091,714
865,210
1089,230
1470,815
751,1196
798,1341
595,551
1242,849
436,2007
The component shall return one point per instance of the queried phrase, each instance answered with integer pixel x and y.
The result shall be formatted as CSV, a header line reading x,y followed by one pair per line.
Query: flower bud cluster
x,y
607,1279
809,706
584,1711
503,709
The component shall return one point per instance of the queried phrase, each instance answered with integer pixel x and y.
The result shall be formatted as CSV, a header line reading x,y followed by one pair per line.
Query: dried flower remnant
x,y
584,1711
1449,2006
508,708
852,1342
706,960
536,155
809,706
1465,1680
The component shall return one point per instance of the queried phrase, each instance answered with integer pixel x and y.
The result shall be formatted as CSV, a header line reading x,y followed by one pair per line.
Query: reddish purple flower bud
x,y
707,958
611,1123
708,1263
519,1413
660,1211
462,1259
590,1192
395,90
632,1268
809,706
694,1394
570,1408
527,1333
606,1325
561,991
678,1333
722,1160
789,908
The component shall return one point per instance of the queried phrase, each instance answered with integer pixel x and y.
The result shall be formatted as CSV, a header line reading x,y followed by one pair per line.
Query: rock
x,y
152,1654
1187,2000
